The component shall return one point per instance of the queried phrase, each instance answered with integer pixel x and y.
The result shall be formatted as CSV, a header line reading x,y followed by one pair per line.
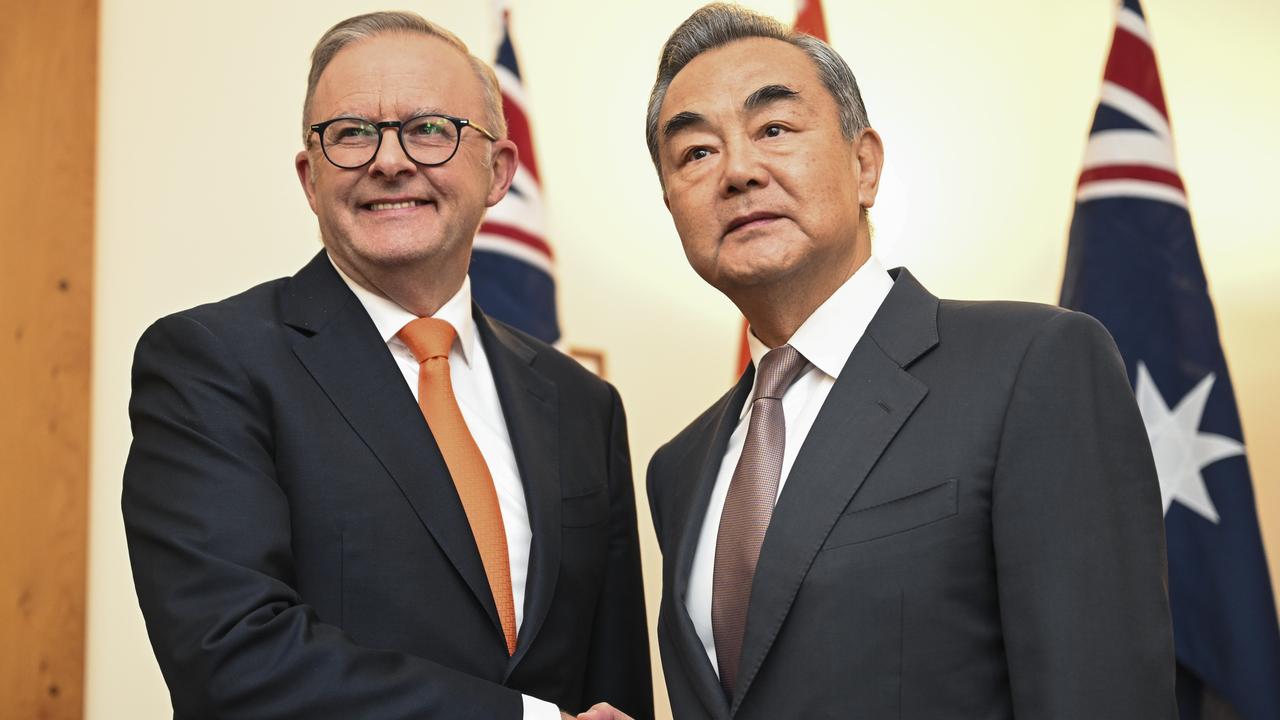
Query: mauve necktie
x,y
749,506
430,339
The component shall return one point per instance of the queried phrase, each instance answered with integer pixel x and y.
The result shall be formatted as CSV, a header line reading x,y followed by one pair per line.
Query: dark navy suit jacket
x,y
297,544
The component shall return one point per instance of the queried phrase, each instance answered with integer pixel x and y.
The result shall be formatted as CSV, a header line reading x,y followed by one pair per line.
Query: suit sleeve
x,y
618,670
208,529
1079,538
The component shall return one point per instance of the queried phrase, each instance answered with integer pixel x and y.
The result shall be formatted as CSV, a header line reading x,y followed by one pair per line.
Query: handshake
x,y
599,711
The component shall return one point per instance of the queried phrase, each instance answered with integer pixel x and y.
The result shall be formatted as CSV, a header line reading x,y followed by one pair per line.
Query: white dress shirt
x,y
478,399
825,339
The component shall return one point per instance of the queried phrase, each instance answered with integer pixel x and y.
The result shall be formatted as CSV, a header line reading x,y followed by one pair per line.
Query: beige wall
x,y
984,112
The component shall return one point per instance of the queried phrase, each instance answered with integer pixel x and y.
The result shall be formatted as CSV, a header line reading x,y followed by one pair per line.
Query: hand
x,y
604,711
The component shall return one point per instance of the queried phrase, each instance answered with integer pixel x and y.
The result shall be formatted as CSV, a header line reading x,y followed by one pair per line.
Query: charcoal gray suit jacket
x,y
972,529
298,546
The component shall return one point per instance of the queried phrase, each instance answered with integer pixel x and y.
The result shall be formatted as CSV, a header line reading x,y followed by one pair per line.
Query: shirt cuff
x,y
535,709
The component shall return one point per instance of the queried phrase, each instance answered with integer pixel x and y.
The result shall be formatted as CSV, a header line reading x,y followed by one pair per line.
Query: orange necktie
x,y
430,339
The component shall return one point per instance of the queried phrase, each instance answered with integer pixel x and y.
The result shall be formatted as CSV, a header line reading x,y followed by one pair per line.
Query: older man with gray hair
x,y
907,507
351,494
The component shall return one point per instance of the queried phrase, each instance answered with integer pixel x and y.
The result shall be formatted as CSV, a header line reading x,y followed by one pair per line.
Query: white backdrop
x,y
984,109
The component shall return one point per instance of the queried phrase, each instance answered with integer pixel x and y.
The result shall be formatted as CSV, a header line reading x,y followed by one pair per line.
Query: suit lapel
x,y
867,406
342,350
530,405
705,457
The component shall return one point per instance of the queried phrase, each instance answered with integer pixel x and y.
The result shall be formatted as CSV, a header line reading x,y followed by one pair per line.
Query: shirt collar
x,y
389,317
827,337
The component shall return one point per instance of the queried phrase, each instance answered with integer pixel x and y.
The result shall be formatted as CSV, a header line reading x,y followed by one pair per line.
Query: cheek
x,y
332,190
693,228
460,197
822,183
698,235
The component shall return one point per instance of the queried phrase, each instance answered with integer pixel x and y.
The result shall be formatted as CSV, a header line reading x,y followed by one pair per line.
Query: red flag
x,y
809,19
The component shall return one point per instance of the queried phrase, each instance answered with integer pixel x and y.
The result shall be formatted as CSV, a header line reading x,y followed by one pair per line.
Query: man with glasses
x,y
350,493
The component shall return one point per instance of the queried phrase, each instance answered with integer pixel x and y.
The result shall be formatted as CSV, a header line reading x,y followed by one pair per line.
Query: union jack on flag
x,y
1133,264
512,268
1130,151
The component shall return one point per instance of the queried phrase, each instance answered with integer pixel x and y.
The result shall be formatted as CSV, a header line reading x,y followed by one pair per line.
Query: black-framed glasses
x,y
352,142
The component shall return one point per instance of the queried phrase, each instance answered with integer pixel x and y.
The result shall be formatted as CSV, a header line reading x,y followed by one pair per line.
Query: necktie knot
x,y
428,338
778,369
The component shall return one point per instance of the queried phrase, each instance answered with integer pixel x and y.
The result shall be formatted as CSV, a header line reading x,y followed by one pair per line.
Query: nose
x,y
391,160
744,168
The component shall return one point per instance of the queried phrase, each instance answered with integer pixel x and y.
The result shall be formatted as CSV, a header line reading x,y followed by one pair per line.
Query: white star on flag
x,y
1180,449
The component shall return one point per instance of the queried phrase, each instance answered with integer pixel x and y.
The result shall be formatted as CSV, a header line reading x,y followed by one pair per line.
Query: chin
x,y
761,259
394,252
734,282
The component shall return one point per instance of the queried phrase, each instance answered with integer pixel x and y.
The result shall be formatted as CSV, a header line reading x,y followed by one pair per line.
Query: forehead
x,y
719,80
396,73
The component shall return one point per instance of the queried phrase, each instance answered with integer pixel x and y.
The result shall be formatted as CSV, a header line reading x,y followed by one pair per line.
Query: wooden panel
x,y
48,76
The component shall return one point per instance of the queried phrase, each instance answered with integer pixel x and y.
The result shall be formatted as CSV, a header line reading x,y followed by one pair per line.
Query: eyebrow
x,y
681,121
764,96
769,94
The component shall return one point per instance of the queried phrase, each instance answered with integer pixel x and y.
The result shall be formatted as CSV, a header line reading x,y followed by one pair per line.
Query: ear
x,y
302,163
506,158
869,153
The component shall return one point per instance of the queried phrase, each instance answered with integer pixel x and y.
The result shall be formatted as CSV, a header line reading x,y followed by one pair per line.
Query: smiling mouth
x,y
398,205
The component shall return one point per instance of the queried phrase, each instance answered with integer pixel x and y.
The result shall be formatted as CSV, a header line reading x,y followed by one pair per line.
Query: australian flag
x,y
1133,264
512,273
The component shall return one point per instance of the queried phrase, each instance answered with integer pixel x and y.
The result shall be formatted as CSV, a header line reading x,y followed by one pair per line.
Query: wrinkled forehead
x,y
396,73
720,80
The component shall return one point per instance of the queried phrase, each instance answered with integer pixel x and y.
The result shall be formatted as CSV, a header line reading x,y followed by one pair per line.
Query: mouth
x,y
751,221
394,204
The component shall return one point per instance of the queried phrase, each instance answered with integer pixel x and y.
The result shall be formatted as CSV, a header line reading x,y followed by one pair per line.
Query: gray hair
x,y
717,24
363,27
